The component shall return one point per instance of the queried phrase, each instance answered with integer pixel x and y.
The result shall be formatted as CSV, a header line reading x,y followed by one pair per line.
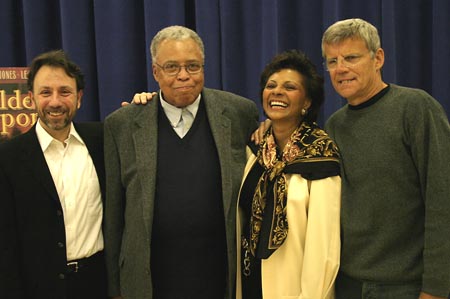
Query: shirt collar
x,y
45,139
174,113
372,100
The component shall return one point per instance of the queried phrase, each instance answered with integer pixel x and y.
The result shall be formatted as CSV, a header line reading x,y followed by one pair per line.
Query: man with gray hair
x,y
173,171
394,145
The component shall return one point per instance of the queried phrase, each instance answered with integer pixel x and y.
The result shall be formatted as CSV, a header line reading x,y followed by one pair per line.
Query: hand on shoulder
x,y
140,98
428,296
258,135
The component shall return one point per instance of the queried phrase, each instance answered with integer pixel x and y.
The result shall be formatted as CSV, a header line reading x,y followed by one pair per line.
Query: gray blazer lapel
x,y
145,137
221,130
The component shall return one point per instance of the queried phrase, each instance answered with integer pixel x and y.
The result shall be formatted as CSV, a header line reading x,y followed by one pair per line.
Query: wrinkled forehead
x,y
178,50
353,43
53,76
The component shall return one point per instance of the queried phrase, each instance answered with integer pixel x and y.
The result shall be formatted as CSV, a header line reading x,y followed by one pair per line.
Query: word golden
x,y
26,116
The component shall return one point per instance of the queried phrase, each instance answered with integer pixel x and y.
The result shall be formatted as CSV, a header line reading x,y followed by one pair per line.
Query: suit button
x,y
60,244
59,213
61,276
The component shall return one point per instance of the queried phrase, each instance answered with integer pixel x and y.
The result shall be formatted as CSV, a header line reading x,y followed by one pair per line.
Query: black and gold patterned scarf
x,y
309,152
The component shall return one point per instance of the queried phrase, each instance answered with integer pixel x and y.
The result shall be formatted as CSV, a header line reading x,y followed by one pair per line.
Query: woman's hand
x,y
428,296
258,135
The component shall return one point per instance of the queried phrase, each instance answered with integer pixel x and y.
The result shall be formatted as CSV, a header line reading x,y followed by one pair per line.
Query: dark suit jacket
x,y
32,245
130,156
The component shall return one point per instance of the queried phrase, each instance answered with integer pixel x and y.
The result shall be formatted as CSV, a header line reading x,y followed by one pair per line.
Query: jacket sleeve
x,y
322,240
10,274
114,209
429,138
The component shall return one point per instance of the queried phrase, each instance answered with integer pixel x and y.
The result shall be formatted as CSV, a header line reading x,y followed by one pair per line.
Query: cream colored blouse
x,y
306,265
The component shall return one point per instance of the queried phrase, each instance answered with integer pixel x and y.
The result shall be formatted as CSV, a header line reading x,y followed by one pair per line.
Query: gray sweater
x,y
396,189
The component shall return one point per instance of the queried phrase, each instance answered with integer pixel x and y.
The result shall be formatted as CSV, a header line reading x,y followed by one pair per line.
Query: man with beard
x,y
52,182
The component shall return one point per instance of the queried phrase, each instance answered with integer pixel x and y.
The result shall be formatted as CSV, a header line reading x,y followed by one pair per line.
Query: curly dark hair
x,y
312,81
55,58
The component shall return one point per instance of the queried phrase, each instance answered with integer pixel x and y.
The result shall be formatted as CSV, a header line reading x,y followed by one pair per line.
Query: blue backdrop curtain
x,y
109,39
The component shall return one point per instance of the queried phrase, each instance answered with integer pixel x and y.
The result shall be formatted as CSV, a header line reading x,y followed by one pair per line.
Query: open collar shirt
x,y
78,188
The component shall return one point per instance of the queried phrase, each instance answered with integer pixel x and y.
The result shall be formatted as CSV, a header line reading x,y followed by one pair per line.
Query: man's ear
x,y
155,73
30,94
80,97
379,59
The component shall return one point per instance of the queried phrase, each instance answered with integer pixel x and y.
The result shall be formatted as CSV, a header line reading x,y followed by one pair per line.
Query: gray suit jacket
x,y
130,160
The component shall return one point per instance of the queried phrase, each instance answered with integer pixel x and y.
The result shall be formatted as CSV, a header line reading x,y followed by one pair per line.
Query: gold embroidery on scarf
x,y
307,144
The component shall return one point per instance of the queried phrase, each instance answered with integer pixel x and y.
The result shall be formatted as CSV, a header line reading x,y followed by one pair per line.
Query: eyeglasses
x,y
172,69
347,61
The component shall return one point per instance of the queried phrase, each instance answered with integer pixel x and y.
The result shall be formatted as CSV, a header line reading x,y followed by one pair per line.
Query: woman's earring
x,y
303,112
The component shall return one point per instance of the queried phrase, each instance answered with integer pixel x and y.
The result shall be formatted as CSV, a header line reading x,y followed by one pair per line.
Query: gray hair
x,y
352,28
175,33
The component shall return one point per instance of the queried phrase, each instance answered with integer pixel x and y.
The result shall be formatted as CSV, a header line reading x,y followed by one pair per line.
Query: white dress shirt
x,y
174,114
78,188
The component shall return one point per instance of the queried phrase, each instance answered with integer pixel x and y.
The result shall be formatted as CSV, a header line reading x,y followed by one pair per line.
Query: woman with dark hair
x,y
288,211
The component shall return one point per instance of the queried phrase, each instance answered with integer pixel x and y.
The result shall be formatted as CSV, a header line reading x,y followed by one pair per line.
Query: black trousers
x,y
89,281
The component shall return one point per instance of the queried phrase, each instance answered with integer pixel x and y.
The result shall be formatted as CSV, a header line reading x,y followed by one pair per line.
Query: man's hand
x,y
140,98
428,296
258,135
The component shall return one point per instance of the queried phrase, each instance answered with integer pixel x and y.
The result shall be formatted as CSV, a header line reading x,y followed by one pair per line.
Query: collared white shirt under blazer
x,y
78,188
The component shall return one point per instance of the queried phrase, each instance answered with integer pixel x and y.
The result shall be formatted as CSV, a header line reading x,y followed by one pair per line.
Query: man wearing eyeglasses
x,y
173,171
394,144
